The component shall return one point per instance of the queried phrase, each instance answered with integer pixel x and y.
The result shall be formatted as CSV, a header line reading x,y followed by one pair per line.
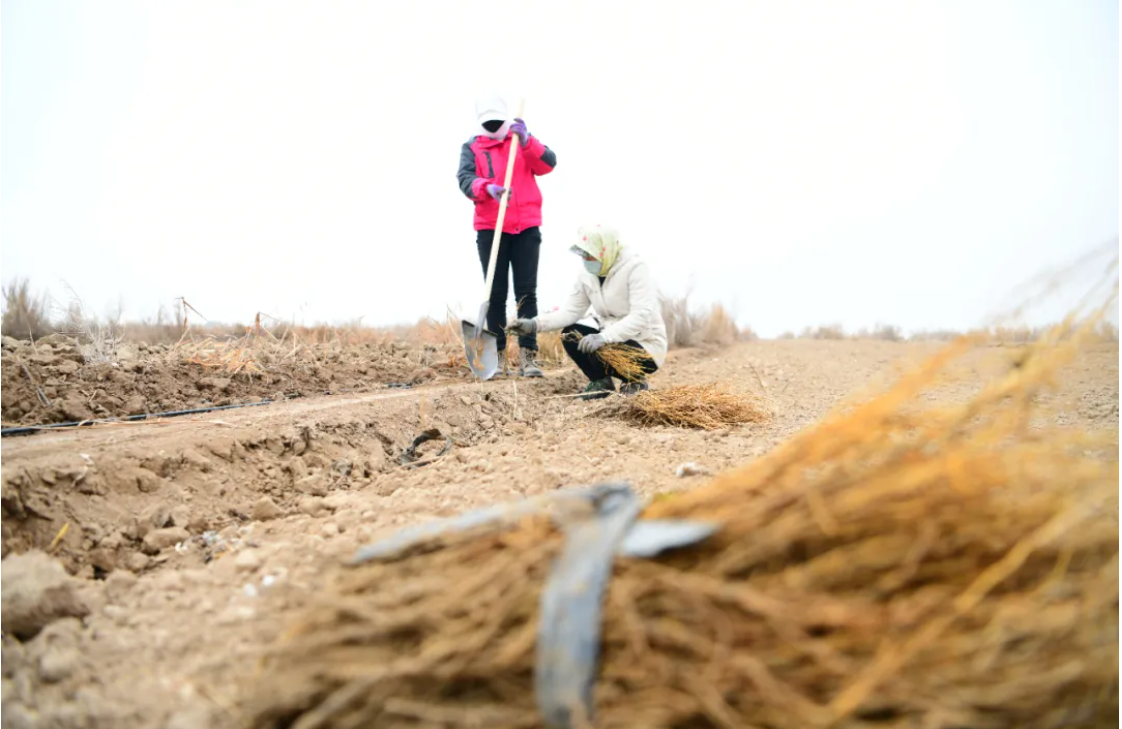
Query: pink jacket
x,y
483,161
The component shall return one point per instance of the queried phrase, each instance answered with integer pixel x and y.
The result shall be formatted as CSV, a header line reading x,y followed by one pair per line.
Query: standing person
x,y
618,286
483,161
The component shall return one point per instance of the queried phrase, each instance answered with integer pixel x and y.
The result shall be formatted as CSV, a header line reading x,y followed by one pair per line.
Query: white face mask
x,y
593,267
501,134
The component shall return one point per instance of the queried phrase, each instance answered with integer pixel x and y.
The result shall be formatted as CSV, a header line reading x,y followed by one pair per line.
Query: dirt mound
x,y
131,506
50,381
177,623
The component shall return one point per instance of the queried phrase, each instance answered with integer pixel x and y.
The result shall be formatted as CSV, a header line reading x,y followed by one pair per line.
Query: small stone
x,y
146,481
18,716
67,367
58,664
168,581
691,469
164,538
135,405
236,614
75,410
181,515
103,559
136,562
219,384
337,501
421,375
312,505
119,584
36,591
265,509
247,560
330,529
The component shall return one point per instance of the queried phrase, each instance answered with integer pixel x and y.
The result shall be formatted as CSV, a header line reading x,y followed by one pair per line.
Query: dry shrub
x,y
747,334
1107,332
718,327
902,563
887,333
707,406
99,340
828,331
26,315
714,326
935,335
680,324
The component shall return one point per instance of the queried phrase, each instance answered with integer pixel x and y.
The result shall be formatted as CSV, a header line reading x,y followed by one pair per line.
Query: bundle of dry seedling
x,y
707,406
901,564
622,360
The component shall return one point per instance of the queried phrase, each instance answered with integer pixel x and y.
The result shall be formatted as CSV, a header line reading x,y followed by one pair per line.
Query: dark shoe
x,y
634,388
599,389
526,366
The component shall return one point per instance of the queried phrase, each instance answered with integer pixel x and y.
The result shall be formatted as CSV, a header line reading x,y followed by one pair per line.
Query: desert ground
x,y
187,542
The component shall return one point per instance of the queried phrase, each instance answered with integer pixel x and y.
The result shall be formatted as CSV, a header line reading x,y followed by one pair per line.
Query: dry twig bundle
x,y
901,564
706,406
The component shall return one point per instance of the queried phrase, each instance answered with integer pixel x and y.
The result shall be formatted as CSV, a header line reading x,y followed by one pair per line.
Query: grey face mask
x,y
593,267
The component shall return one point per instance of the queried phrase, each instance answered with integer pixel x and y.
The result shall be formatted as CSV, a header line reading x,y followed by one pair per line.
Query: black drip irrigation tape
x,y
32,429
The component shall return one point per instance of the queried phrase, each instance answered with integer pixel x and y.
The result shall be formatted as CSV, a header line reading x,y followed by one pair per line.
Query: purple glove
x,y
495,191
519,128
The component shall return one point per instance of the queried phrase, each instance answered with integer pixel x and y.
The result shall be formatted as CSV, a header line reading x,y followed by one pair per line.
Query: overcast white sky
x,y
801,162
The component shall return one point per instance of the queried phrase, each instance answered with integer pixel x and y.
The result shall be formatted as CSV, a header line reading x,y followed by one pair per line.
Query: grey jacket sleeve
x,y
466,174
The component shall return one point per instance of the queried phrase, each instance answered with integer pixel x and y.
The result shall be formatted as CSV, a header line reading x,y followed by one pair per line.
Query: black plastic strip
x,y
31,429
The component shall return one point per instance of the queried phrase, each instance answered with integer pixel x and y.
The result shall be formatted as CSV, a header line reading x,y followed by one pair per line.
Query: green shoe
x,y
598,389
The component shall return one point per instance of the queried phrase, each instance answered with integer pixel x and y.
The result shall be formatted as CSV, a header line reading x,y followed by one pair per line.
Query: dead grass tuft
x,y
706,406
713,326
26,314
826,331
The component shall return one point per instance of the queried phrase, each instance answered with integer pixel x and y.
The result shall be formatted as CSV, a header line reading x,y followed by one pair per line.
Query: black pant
x,y
590,364
518,252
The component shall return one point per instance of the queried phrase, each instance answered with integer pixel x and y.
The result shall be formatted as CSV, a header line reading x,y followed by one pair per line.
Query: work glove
x,y
522,327
519,128
591,342
495,191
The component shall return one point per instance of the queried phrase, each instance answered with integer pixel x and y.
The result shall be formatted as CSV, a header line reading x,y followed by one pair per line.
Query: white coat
x,y
625,306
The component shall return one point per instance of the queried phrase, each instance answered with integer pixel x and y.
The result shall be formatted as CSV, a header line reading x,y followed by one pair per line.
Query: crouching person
x,y
617,284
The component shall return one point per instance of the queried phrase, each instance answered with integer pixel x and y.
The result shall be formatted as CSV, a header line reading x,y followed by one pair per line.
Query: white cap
x,y
491,108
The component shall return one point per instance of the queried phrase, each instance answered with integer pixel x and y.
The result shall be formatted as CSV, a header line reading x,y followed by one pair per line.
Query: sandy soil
x,y
191,540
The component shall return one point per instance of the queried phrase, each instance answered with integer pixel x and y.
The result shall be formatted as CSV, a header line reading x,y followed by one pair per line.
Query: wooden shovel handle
x,y
514,145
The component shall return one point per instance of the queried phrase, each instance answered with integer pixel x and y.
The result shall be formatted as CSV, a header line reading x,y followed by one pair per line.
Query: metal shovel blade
x,y
481,347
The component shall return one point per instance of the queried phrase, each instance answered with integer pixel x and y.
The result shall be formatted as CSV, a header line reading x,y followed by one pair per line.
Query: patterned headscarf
x,y
600,242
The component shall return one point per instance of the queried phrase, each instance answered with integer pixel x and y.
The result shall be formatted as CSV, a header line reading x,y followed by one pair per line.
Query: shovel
x,y
481,346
